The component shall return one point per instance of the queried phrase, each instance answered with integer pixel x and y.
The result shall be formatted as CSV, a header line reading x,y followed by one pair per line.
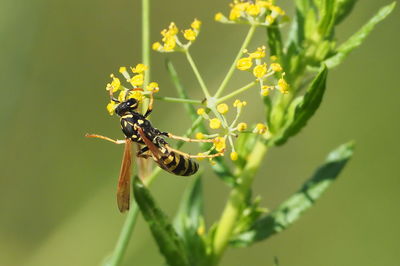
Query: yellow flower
x,y
215,123
265,4
169,43
239,103
219,143
265,90
273,58
234,14
153,86
234,156
269,19
121,96
172,29
139,68
276,67
219,16
259,53
260,128
111,107
115,83
283,86
199,135
253,10
122,70
138,95
200,158
222,108
196,24
277,10
156,46
190,35
137,80
244,63
260,71
201,111
242,126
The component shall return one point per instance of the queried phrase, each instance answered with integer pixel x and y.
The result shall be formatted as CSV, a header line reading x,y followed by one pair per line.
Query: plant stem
x,y
228,76
197,73
146,38
177,100
238,91
237,197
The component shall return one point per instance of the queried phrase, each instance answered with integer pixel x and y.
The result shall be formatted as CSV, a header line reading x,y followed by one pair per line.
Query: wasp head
x,y
126,106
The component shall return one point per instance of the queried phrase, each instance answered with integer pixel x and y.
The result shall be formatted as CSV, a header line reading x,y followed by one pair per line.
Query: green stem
x,y
177,100
237,198
228,76
146,38
197,73
236,92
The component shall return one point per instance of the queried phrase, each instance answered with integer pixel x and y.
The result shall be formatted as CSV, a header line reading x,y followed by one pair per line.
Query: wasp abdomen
x,y
179,165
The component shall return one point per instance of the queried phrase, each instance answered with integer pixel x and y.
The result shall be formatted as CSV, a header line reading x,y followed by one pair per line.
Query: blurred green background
x,y
57,189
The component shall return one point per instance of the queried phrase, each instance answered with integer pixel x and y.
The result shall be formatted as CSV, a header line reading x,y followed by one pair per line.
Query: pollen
x,y
139,68
234,156
215,123
276,67
196,24
137,80
222,108
199,135
260,128
190,35
244,63
201,111
219,143
242,126
260,71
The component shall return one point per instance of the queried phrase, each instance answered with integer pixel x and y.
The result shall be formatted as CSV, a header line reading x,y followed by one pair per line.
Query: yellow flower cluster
x,y
262,71
226,131
170,40
260,12
136,81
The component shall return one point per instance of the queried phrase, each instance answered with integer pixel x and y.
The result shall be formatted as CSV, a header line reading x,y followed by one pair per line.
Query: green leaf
x,y
220,168
291,210
189,223
358,38
169,243
275,41
302,109
343,9
327,17
243,146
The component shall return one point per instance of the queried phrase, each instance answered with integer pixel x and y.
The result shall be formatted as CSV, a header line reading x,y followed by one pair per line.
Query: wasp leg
x,y
195,156
150,107
172,136
141,152
116,141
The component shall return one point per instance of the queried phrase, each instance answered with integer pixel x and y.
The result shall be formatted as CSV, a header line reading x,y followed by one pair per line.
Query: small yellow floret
x,y
111,107
283,86
138,95
190,35
244,63
139,68
239,104
273,58
200,158
234,14
234,156
199,135
260,128
215,123
201,111
219,16
259,53
269,19
137,80
219,143
265,4
253,10
122,95
115,84
122,70
242,126
222,108
172,29
156,46
276,67
265,90
169,44
153,86
196,24
260,71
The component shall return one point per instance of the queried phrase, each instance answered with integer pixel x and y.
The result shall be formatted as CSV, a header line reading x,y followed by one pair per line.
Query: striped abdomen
x,y
178,164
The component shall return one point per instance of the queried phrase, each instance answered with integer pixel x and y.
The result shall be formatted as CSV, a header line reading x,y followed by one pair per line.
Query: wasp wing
x,y
123,190
152,147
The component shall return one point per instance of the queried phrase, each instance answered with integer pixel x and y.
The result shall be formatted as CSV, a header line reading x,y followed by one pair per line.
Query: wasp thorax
x,y
127,106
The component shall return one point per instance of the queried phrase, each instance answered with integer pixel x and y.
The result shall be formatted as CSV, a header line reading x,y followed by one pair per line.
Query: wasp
x,y
137,128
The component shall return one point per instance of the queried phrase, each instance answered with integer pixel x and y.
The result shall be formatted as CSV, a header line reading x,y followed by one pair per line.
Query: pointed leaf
x,y
358,38
343,9
302,109
170,244
189,223
292,209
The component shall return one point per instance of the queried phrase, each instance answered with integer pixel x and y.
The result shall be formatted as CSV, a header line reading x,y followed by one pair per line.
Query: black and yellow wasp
x,y
138,129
